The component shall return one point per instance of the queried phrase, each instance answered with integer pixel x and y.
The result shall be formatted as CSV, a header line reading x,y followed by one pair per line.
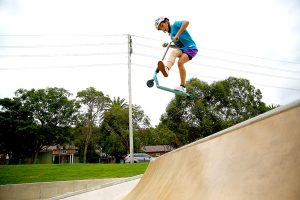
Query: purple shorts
x,y
191,53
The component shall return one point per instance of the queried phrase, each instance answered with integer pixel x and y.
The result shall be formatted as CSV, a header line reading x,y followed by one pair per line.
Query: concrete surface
x,y
44,190
112,191
257,159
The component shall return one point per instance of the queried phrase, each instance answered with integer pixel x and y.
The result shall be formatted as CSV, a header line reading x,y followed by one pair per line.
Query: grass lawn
x,y
13,174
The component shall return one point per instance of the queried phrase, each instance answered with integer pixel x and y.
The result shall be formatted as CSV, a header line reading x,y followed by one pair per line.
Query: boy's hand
x,y
165,44
175,39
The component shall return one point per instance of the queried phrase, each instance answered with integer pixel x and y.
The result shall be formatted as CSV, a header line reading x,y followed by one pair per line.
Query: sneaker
x,y
164,70
180,88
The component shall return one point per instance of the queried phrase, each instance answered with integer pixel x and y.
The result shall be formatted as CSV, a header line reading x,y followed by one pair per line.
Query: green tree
x,y
118,102
15,130
213,108
93,104
236,100
114,130
53,114
160,135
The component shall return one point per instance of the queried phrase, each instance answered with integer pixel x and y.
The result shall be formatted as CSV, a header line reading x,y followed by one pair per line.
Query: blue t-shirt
x,y
185,40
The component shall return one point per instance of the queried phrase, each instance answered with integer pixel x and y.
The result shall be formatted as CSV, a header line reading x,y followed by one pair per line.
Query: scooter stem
x,y
166,51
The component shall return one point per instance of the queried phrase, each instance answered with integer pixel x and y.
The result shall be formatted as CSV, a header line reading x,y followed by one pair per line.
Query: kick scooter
x,y
150,83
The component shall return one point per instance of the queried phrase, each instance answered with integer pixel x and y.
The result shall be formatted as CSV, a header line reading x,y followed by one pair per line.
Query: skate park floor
x,y
111,191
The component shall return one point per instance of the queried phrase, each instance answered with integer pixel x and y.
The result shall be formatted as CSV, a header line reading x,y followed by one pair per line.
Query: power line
x,y
65,54
250,72
213,77
250,64
277,87
138,54
233,53
99,44
61,45
257,57
63,35
144,55
146,38
142,37
232,61
231,69
147,46
149,67
62,66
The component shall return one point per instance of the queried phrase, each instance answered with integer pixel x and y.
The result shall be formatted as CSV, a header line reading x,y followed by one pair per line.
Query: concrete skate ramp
x,y
257,159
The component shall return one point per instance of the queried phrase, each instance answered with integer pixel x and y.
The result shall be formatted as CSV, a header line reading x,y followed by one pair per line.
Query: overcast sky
x,y
77,44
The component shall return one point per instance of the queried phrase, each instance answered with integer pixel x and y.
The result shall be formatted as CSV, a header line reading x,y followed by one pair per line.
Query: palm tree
x,y
118,102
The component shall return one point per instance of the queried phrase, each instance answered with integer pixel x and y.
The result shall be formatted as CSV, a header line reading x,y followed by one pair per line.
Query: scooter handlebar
x,y
168,46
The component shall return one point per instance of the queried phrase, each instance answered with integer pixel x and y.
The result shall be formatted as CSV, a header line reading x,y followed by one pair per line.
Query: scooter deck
x,y
175,91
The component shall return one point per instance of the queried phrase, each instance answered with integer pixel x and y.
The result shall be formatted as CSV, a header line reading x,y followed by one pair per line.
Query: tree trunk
x,y
34,157
87,142
85,151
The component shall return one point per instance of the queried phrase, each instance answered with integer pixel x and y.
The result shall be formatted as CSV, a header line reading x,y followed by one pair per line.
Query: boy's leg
x,y
171,60
182,60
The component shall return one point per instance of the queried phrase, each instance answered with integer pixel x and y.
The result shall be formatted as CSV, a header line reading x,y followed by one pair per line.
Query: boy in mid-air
x,y
184,47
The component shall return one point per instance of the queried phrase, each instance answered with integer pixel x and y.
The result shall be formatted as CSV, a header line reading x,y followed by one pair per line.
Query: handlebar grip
x,y
165,44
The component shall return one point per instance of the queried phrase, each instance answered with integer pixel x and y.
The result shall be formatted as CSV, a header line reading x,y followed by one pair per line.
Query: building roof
x,y
157,148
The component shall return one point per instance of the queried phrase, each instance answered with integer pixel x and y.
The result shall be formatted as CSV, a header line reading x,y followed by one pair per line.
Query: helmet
x,y
159,20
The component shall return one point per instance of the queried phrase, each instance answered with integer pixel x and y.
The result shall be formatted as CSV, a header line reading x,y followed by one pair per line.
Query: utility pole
x,y
130,100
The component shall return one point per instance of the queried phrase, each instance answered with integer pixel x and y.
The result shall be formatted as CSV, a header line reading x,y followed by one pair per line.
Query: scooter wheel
x,y
150,83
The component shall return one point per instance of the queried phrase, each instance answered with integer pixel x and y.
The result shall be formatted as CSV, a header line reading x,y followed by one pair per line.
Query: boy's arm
x,y
181,29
